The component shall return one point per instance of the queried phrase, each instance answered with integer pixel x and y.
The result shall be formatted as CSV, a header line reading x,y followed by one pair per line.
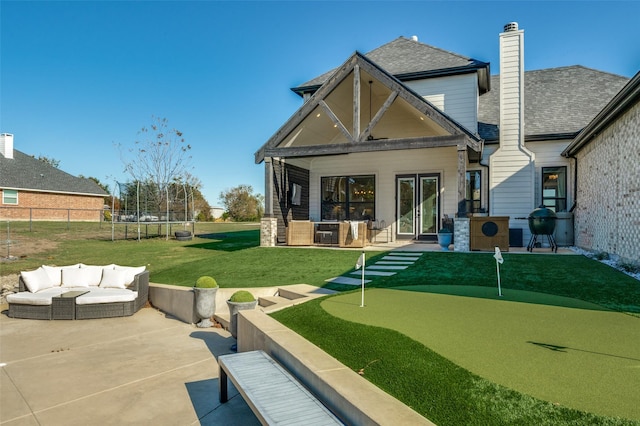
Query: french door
x,y
418,206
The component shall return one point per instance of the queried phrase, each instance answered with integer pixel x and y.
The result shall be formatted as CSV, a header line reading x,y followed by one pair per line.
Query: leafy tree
x,y
49,160
242,204
159,158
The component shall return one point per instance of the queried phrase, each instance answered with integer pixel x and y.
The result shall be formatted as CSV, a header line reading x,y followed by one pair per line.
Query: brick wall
x,y
607,217
56,207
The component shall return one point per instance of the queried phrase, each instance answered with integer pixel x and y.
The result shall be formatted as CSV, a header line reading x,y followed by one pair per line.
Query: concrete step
x,y
266,301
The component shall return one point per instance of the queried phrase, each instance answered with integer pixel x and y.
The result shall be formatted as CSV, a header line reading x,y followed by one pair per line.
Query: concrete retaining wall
x,y
179,301
352,398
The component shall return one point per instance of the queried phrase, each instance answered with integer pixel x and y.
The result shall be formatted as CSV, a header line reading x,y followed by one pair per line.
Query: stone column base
x,y
461,234
268,231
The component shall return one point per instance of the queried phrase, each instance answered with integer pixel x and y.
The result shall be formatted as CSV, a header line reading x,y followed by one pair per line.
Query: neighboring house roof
x,y
622,102
558,102
408,59
24,172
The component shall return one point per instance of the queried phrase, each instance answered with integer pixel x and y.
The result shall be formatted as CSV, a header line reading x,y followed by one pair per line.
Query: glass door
x,y
429,205
406,206
418,206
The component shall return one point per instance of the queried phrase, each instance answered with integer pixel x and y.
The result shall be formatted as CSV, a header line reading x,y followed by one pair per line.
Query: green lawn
x,y
405,367
404,363
228,252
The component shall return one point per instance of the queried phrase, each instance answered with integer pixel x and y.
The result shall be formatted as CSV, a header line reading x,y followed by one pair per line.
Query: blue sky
x,y
78,77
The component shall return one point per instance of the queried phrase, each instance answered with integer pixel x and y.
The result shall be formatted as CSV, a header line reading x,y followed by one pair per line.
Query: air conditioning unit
x,y
485,233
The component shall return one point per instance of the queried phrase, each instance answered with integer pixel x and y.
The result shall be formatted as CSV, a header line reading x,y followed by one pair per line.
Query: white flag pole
x,y
363,265
498,269
499,260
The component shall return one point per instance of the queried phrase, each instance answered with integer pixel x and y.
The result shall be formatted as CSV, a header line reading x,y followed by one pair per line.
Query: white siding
x,y
460,95
385,166
548,154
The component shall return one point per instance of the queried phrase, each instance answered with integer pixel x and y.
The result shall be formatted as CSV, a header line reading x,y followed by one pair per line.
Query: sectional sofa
x,y
80,292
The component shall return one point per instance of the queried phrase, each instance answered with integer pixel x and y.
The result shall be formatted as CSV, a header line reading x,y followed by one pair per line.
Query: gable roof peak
x,y
409,59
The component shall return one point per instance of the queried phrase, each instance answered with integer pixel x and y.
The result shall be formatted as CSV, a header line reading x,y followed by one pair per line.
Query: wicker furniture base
x,y
105,310
64,306
42,312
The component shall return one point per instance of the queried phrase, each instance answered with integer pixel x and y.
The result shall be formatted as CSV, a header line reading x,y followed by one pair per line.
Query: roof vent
x,y
414,37
511,26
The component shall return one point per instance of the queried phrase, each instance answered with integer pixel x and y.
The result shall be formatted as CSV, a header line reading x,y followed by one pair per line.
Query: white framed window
x,y
9,196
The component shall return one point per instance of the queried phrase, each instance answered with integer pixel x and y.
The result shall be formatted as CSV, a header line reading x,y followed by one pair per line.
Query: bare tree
x,y
159,158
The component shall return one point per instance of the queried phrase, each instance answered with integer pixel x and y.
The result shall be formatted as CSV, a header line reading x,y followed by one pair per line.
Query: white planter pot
x,y
205,305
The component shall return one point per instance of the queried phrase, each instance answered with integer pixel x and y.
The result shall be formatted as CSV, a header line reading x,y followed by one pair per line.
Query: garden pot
x,y
234,307
444,239
205,305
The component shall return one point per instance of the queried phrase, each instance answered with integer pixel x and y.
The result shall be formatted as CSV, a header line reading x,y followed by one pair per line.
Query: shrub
x,y
630,267
242,296
206,282
602,255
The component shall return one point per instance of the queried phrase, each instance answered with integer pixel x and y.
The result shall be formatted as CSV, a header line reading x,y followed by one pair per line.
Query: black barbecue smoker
x,y
542,221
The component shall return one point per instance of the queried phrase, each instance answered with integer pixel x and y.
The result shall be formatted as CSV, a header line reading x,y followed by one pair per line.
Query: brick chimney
x,y
6,145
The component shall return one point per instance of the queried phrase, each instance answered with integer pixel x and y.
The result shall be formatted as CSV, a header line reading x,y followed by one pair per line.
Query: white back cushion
x,y
55,274
94,273
75,277
113,279
130,272
36,280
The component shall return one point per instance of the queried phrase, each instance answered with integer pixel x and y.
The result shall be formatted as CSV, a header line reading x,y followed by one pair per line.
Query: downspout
x,y
575,183
486,166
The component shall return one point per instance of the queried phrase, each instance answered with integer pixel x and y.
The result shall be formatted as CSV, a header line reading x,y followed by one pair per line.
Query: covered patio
x,y
365,148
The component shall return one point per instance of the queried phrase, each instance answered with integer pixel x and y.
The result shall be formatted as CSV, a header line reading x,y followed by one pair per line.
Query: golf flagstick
x,y
499,260
360,264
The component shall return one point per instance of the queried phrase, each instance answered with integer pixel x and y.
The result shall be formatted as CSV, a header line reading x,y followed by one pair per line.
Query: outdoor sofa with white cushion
x,y
54,292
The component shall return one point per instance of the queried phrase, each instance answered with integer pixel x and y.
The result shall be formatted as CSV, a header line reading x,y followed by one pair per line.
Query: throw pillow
x,y
94,273
55,274
75,277
113,279
36,280
131,272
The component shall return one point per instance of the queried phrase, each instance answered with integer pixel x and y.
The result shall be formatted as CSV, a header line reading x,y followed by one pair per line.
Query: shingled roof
x,y
558,102
24,172
408,59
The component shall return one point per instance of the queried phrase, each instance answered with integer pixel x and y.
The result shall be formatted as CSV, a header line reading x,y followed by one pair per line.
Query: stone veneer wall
x,y
268,231
461,234
607,217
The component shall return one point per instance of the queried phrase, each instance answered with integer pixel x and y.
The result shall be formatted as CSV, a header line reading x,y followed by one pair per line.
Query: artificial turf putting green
x,y
557,349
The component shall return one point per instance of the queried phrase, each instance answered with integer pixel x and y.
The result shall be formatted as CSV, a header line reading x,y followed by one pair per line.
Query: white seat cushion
x,y
106,295
43,297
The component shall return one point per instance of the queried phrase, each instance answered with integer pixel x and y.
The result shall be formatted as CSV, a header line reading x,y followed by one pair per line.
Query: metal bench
x,y
273,394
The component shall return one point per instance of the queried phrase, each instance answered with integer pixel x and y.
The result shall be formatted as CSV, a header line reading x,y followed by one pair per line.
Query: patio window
x,y
348,197
9,196
554,188
473,191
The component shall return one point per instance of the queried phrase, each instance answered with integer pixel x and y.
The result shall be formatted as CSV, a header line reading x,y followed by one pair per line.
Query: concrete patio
x,y
144,369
